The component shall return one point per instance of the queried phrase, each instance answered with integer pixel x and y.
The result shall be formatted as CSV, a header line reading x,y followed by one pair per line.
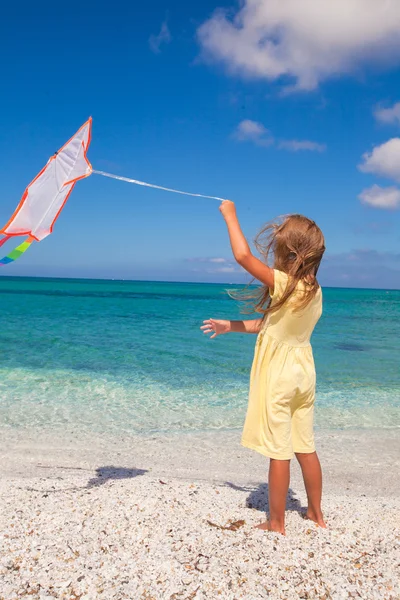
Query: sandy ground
x,y
141,518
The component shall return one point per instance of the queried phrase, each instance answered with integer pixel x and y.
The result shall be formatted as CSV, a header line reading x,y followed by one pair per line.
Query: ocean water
x,y
122,357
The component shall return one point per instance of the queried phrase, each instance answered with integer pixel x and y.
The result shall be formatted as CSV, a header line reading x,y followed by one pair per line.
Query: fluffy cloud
x,y
389,115
379,197
164,37
253,131
384,160
306,41
296,145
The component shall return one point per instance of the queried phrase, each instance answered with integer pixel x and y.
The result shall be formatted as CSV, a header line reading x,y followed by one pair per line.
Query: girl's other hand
x,y
228,209
216,327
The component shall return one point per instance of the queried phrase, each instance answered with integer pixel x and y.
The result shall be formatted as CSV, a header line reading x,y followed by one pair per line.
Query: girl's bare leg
x,y
278,486
312,475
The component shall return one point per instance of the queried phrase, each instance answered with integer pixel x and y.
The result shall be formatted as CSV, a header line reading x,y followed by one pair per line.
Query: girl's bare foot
x,y
267,526
317,518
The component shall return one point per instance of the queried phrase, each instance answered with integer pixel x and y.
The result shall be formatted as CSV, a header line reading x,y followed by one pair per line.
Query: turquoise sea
x,y
128,357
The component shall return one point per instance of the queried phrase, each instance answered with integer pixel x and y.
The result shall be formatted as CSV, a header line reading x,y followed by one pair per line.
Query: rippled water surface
x,y
119,356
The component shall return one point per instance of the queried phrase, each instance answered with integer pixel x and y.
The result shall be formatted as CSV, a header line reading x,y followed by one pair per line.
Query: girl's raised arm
x,y
241,249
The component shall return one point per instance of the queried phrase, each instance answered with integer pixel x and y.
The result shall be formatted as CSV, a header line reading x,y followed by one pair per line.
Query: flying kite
x,y
46,196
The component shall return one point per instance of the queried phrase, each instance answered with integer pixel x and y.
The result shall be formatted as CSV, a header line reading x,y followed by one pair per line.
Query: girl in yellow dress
x,y
279,421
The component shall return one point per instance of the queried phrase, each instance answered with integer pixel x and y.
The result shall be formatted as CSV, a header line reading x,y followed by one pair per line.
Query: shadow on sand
x,y
108,473
258,498
103,475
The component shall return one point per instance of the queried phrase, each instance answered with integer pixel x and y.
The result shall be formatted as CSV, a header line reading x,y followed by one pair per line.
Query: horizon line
x,y
180,282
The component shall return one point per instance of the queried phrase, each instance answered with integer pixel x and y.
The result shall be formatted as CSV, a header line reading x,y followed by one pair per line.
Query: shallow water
x,y
121,356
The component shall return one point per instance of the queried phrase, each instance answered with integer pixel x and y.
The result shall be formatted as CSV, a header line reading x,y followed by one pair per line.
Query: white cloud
x,y
253,131
225,270
379,197
296,145
206,259
307,41
384,160
389,115
164,37
215,265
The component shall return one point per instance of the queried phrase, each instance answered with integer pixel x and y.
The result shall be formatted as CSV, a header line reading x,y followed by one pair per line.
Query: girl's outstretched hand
x,y
228,209
216,327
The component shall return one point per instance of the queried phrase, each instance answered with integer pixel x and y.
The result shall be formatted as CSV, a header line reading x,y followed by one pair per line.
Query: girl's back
x,y
288,324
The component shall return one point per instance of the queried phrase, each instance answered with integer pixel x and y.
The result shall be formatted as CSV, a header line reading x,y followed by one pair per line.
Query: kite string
x,y
157,187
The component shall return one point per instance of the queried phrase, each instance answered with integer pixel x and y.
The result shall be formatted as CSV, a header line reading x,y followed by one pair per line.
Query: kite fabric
x,y
45,197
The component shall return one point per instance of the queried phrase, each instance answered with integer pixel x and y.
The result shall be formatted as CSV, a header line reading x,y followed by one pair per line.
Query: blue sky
x,y
183,98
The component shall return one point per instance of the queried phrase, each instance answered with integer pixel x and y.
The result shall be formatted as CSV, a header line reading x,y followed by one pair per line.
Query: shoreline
x,y
353,461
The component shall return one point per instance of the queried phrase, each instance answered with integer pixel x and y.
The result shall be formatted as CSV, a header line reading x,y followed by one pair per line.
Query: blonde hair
x,y
298,245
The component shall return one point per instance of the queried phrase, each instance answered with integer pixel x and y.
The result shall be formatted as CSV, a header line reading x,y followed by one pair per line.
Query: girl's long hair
x,y
297,245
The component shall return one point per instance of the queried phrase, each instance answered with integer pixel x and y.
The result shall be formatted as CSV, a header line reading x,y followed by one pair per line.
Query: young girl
x,y
279,421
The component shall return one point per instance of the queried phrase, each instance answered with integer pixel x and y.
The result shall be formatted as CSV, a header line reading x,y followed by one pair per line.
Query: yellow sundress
x,y
280,412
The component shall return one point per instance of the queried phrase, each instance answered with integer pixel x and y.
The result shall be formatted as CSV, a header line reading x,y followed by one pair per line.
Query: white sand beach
x,y
151,518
